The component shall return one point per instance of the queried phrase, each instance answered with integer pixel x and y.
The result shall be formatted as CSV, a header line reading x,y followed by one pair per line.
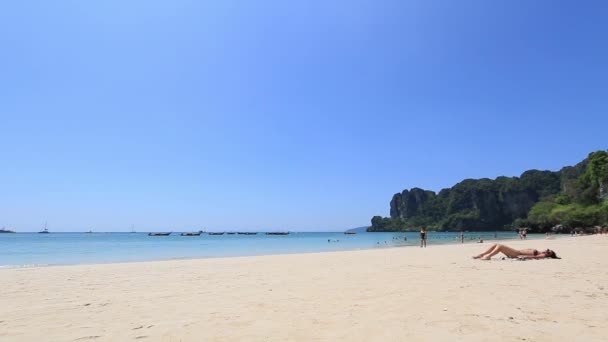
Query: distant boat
x,y
350,233
211,233
191,234
247,233
231,233
159,234
132,229
277,233
2,231
89,232
45,230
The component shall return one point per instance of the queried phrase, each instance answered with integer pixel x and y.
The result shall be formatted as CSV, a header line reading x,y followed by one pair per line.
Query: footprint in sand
x,y
92,337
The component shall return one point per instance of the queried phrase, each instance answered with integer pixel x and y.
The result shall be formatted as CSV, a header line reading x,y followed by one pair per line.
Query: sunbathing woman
x,y
514,253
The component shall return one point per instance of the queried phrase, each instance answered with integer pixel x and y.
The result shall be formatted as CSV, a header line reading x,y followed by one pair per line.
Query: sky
x,y
284,115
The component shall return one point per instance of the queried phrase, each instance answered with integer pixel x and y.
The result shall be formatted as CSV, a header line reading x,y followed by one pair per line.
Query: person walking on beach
x,y
461,236
423,237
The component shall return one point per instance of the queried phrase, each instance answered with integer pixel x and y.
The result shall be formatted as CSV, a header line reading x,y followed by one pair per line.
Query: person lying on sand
x,y
514,253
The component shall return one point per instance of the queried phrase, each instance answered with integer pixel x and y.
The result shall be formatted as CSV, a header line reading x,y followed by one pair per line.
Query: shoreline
x,y
432,242
486,243
437,293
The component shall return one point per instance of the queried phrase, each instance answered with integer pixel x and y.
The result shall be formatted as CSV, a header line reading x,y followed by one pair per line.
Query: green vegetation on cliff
x,y
573,197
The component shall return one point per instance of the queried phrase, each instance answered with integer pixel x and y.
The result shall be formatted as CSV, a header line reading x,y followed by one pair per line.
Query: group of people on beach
x,y
523,234
424,237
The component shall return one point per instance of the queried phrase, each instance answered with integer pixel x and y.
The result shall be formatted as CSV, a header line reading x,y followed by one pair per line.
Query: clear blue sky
x,y
280,114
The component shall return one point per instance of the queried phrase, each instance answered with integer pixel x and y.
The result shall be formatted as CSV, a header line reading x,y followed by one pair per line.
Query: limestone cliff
x,y
480,203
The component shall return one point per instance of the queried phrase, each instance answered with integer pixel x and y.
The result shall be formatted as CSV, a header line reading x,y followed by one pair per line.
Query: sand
x,y
394,294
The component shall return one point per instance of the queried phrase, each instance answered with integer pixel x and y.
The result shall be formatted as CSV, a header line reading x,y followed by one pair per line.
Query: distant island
x,y
574,197
357,230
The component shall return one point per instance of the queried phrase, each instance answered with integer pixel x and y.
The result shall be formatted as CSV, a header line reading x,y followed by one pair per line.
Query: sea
x,y
34,250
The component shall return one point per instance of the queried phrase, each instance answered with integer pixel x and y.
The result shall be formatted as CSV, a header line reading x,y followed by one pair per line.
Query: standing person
x,y
523,233
461,236
423,237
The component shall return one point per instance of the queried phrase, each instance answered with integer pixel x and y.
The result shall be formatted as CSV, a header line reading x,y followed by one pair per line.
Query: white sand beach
x,y
397,294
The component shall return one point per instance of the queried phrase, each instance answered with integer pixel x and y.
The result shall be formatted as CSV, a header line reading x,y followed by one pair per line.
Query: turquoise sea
x,y
32,249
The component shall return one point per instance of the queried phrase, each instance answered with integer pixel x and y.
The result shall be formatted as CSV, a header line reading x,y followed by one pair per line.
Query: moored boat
x,y
3,230
212,233
45,230
191,234
277,233
159,234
